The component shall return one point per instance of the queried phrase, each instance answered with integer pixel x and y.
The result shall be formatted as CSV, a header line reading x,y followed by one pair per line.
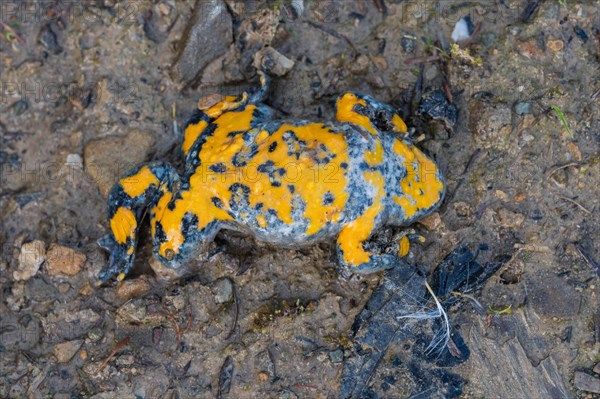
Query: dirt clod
x,y
509,219
64,261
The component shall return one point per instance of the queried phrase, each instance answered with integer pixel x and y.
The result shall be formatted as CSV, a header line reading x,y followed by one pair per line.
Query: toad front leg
x,y
128,202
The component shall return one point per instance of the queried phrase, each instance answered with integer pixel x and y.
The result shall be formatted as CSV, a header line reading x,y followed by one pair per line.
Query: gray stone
x,y
223,290
586,382
523,108
207,36
336,356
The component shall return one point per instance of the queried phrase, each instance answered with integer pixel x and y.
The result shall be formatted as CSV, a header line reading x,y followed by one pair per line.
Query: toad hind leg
x,y
128,202
352,256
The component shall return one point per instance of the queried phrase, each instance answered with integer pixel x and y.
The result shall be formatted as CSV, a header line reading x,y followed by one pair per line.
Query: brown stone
x,y
432,221
162,272
66,350
131,288
64,261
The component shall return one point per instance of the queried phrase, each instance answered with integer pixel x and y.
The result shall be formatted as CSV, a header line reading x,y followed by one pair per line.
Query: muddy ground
x,y
89,91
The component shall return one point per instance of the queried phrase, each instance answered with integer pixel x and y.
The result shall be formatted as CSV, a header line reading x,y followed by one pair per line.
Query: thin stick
x,y
561,167
576,203
113,353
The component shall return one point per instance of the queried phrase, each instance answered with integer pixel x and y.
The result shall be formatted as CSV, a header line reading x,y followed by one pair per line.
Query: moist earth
x,y
89,90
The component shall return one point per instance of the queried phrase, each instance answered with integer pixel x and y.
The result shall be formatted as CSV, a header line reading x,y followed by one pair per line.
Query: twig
x,y
529,10
575,203
332,33
446,337
421,60
591,262
531,248
236,308
561,167
120,345
12,31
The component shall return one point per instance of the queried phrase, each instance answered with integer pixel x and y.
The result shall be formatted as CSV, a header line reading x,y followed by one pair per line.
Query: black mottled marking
x,y
189,225
171,205
266,167
217,202
273,146
194,160
295,145
235,133
218,168
259,206
328,198
249,150
363,110
344,165
239,196
196,117
160,235
421,192
292,188
274,174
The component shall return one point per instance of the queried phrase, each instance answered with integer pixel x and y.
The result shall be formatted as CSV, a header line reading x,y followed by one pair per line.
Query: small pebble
x,y
223,291
272,61
509,219
361,65
501,195
336,356
33,254
523,108
597,368
432,221
66,350
86,290
64,261
408,44
463,29
128,289
63,288
263,377
95,334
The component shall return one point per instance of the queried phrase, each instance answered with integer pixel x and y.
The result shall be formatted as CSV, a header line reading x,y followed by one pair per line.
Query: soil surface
x,y
88,91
